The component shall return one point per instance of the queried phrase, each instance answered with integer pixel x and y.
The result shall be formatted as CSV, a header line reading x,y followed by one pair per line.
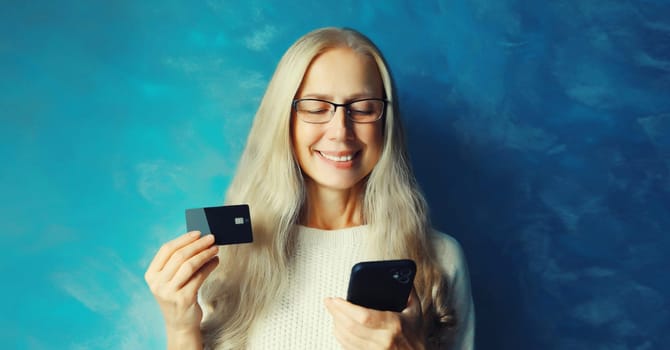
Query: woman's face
x,y
339,154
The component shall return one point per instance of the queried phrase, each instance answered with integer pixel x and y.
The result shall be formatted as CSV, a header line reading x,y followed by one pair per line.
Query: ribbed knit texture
x,y
320,269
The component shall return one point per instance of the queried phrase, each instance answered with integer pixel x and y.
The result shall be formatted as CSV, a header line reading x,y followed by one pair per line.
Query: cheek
x,y
302,138
374,138
298,138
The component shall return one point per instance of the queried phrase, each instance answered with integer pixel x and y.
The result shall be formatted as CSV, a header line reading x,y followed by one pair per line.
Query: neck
x,y
332,209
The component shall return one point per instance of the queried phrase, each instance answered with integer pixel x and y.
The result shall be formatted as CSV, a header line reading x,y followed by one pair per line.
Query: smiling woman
x,y
326,177
338,153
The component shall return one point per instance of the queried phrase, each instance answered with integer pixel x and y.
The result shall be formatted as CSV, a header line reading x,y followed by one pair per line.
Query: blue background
x,y
540,131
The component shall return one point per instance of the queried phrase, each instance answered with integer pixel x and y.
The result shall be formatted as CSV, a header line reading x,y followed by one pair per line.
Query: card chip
x,y
239,221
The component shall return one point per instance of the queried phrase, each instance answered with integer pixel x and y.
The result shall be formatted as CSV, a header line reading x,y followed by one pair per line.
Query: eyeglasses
x,y
316,111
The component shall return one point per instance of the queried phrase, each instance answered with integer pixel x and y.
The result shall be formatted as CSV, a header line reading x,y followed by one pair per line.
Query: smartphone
x,y
382,285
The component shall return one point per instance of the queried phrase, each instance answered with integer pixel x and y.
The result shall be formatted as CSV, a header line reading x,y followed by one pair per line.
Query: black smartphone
x,y
382,285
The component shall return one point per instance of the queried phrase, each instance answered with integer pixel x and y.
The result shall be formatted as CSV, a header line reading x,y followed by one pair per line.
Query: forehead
x,y
342,73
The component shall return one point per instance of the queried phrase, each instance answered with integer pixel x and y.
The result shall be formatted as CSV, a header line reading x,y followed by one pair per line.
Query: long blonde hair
x,y
269,179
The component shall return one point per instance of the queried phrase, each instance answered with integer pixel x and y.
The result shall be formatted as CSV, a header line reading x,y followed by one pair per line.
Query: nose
x,y
340,127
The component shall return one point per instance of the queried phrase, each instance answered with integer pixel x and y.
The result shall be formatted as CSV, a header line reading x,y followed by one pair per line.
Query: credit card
x,y
230,224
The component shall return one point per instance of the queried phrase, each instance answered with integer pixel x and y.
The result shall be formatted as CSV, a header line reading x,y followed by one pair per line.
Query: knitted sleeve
x,y
451,258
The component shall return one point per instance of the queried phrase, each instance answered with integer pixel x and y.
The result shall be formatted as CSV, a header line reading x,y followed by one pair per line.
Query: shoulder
x,y
444,242
450,257
448,252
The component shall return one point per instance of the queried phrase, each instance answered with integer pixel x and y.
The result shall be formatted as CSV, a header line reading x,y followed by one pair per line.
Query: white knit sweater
x,y
321,269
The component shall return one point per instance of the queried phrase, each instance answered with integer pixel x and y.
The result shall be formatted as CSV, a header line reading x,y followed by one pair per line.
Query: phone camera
x,y
402,276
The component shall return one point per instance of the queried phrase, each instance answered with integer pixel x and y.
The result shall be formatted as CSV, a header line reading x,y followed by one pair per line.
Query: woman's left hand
x,y
356,327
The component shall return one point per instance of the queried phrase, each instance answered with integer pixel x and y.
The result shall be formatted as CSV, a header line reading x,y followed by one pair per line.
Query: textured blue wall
x,y
540,132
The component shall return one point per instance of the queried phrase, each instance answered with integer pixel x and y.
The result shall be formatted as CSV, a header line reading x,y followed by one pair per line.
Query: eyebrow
x,y
347,98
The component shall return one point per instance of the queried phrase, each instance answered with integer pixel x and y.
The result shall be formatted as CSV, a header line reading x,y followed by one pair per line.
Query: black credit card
x,y
230,224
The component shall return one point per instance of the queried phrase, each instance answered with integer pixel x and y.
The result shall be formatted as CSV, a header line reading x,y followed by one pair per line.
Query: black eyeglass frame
x,y
347,108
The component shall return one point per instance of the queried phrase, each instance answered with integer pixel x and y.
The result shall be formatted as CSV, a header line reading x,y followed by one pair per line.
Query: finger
x,y
413,305
169,248
367,328
358,320
412,315
353,335
191,286
363,316
347,340
345,329
340,318
183,254
191,266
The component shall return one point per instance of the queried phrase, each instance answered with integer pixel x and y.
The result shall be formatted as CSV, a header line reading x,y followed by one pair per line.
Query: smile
x,y
339,158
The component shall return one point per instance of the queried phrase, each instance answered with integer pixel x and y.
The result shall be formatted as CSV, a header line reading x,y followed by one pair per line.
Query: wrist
x,y
184,338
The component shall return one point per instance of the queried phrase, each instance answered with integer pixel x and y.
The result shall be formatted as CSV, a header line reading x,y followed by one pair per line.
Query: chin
x,y
337,184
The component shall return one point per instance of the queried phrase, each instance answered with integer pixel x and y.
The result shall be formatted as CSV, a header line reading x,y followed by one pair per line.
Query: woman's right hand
x,y
174,277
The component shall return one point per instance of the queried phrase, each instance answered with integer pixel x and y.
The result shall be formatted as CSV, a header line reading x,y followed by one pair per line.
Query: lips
x,y
340,160
339,156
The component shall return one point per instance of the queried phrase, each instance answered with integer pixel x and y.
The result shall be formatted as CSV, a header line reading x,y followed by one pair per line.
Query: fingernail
x,y
194,234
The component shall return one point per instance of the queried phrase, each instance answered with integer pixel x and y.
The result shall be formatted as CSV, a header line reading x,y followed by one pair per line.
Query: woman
x,y
326,176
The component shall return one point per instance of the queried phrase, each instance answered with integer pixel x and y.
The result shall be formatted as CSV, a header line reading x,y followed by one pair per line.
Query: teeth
x,y
344,158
